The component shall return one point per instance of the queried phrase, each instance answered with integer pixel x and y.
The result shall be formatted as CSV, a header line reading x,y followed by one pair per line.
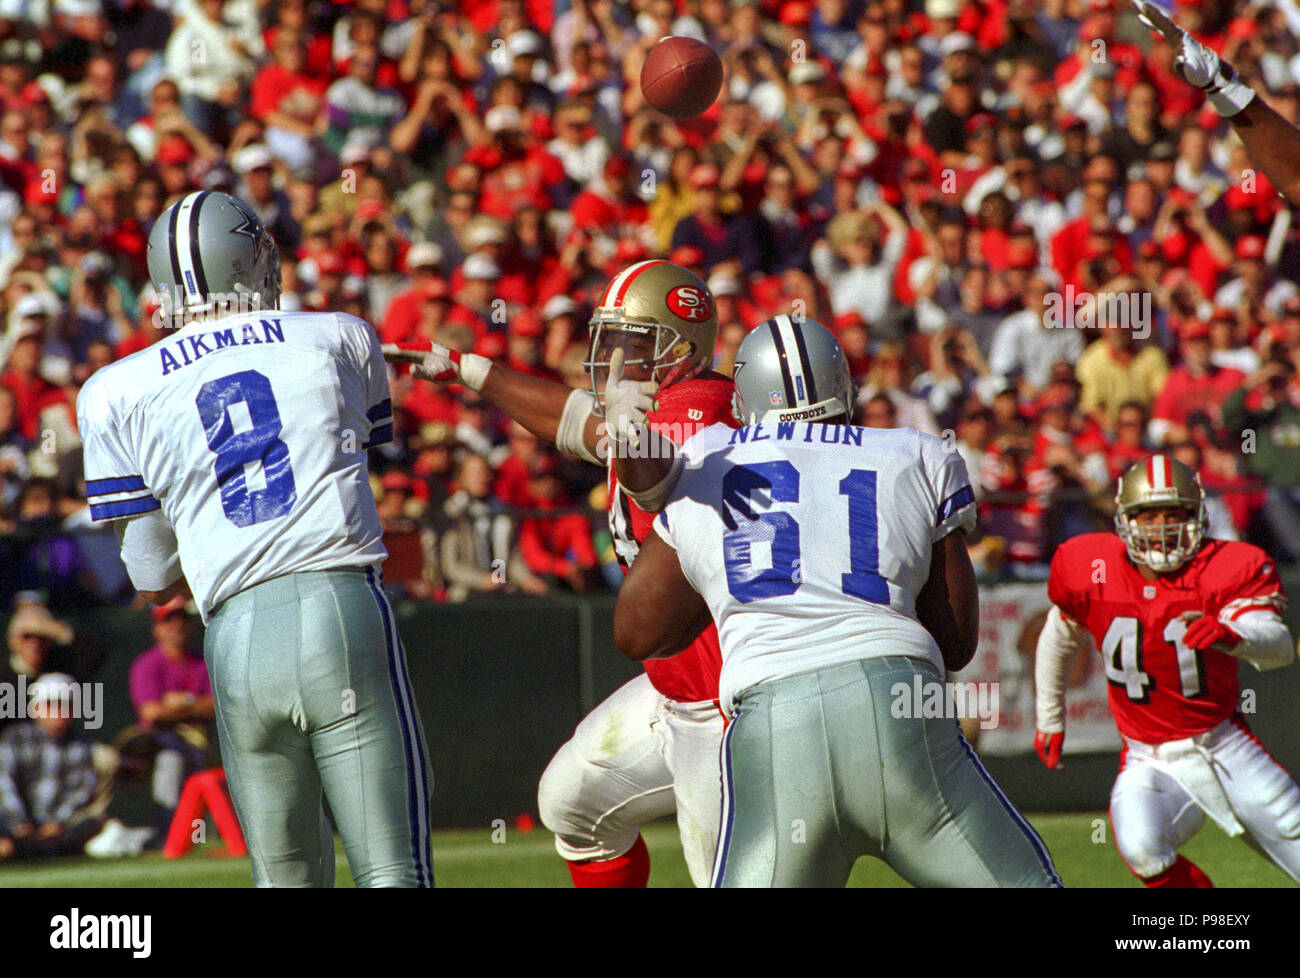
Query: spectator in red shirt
x,y
1070,244
292,15
406,310
1195,388
479,308
1068,440
149,328
174,157
1009,468
516,469
517,171
524,346
22,376
290,101
120,233
611,206
560,546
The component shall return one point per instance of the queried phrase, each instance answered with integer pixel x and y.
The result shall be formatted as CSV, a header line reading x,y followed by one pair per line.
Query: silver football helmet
x,y
791,369
209,252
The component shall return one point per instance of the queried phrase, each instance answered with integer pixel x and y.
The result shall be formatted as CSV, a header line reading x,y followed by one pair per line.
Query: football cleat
x,y
1160,482
663,318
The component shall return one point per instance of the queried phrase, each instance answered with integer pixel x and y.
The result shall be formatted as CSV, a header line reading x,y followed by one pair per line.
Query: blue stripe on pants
x,y
417,786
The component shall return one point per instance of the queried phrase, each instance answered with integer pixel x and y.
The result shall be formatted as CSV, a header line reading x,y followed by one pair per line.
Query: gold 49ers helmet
x,y
662,316
1160,481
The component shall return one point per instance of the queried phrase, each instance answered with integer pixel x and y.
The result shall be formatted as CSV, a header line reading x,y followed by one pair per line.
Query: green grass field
x,y
469,858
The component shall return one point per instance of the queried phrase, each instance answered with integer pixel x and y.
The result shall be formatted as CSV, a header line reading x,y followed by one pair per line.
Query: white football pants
x,y
1154,813
636,757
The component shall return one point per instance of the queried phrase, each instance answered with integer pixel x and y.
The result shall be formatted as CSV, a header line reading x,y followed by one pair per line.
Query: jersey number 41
x,y
1121,651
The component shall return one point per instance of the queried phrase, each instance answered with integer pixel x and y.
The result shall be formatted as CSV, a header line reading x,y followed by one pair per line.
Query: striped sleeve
x,y
380,417
1251,583
114,486
956,499
367,354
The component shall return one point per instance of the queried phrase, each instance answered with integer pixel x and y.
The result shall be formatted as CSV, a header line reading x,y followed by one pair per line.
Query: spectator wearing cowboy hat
x,y
37,643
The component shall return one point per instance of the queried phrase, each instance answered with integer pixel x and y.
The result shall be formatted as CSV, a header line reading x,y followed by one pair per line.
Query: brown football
x,y
681,76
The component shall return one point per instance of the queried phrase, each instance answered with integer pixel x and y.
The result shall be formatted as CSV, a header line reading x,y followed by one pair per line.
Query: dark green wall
x,y
501,684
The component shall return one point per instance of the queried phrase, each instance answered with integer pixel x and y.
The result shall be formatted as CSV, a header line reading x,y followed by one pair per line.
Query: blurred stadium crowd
x,y
936,180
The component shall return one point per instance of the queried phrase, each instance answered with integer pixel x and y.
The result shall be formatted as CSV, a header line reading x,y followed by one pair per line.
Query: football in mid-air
x,y
681,76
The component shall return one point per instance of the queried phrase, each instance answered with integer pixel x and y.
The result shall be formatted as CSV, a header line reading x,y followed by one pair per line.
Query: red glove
x,y
1049,746
1206,631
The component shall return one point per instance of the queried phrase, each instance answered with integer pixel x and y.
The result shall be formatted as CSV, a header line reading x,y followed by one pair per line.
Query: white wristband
x,y
571,433
474,370
1231,97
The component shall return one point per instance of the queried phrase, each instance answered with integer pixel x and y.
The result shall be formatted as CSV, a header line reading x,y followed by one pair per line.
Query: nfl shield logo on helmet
x,y
775,398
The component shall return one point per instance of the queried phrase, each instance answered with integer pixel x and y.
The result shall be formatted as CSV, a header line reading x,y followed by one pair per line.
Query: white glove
x,y
627,402
1197,64
442,365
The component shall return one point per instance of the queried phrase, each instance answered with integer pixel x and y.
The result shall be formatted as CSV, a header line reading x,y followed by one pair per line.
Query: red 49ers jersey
x,y
1160,689
684,409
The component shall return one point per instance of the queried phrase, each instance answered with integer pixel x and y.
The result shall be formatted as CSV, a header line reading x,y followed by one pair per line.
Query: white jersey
x,y
810,542
249,432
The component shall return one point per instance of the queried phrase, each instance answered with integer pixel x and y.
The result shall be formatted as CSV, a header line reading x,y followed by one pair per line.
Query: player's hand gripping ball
x,y
681,76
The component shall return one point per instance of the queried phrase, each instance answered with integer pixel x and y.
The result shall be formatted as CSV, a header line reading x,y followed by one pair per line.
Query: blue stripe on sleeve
x,y
955,502
126,507
125,483
380,436
381,410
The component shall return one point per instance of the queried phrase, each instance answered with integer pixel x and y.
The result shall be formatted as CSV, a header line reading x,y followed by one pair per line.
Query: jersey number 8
x,y
258,442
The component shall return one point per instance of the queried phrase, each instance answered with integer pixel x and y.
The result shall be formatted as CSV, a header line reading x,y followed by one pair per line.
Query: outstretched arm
x,y
1274,144
1271,141
553,412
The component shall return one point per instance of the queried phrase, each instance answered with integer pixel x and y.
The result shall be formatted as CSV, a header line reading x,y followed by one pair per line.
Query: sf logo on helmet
x,y
690,303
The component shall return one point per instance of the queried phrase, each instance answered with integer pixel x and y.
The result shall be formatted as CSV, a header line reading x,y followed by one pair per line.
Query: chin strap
x,y
687,370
